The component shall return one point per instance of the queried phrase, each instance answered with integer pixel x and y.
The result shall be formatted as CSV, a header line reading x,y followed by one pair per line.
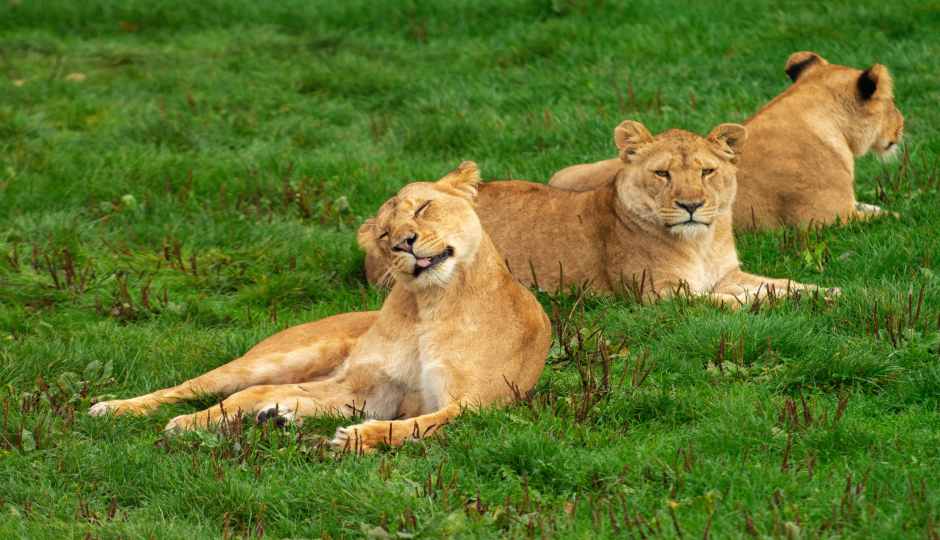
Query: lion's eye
x,y
423,206
383,235
662,174
706,172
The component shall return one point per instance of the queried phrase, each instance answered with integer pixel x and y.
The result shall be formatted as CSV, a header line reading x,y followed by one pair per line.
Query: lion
x,y
662,226
456,331
800,164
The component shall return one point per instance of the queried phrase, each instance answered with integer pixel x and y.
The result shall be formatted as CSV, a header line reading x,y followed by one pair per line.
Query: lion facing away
x,y
800,162
455,331
662,225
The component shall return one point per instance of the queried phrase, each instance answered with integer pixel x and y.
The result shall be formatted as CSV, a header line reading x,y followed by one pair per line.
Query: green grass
x,y
143,210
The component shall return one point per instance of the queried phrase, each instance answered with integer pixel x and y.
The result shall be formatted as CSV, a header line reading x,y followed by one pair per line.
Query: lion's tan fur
x,y
800,162
456,335
631,232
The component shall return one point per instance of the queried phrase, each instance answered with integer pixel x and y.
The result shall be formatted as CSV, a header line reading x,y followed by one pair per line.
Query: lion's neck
x,y
817,120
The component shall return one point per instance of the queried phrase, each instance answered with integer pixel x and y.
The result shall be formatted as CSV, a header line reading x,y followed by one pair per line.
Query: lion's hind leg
x,y
357,390
299,354
279,403
253,369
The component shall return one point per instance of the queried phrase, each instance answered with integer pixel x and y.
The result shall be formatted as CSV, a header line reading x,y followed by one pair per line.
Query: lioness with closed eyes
x,y
456,331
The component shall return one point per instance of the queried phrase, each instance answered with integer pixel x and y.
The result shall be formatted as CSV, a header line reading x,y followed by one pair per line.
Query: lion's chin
x,y
690,230
886,154
436,276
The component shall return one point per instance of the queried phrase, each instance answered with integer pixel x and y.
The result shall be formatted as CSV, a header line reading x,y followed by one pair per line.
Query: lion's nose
x,y
690,207
407,243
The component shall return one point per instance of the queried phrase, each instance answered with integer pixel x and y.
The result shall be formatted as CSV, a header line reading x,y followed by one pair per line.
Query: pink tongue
x,y
423,263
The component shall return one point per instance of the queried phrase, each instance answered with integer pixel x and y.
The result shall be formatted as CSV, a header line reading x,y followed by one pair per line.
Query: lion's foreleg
x,y
667,290
368,434
750,288
865,212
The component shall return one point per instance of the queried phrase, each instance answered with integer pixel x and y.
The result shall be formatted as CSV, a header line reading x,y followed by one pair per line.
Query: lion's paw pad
x,y
279,415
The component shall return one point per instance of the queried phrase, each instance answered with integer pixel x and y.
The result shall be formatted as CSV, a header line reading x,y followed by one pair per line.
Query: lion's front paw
x,y
873,210
862,207
361,436
830,294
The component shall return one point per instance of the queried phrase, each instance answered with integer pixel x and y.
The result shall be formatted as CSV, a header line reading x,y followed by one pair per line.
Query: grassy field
x,y
179,180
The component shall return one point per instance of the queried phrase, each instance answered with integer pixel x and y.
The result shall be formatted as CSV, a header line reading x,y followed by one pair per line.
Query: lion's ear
x,y
732,138
875,82
366,235
464,180
803,63
629,137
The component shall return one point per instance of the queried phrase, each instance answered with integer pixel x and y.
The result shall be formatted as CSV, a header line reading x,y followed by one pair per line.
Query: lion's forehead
x,y
385,212
403,203
897,119
684,156
419,190
400,209
391,219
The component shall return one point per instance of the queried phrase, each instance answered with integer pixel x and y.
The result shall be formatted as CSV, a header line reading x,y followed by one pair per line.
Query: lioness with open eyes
x,y
456,330
664,223
800,163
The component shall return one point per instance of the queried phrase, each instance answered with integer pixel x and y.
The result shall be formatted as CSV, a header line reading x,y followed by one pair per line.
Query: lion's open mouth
x,y
423,263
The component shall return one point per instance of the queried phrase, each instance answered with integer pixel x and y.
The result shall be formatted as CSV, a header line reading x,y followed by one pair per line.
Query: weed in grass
x,y
904,326
805,244
906,180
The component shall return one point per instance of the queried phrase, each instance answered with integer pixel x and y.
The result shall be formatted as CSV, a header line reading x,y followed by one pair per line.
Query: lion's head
x,y
874,124
677,180
427,232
